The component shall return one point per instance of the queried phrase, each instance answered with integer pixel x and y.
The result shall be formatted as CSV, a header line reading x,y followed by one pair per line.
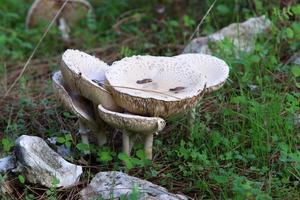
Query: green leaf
x,y
55,181
68,137
289,33
296,28
220,179
173,23
61,140
239,100
123,156
7,144
67,114
141,154
82,147
258,5
223,9
216,139
126,159
129,164
21,179
255,58
68,144
295,70
105,156
188,21
296,9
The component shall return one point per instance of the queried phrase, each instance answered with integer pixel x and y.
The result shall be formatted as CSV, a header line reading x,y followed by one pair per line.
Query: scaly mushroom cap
x,y
45,11
80,106
155,86
132,123
215,69
85,74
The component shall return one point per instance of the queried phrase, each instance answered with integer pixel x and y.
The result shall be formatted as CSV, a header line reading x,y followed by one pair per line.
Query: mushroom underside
x,y
133,126
82,108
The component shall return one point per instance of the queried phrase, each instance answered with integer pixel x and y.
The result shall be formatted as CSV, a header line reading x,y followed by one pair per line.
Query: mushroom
x,y
155,86
82,108
46,10
85,74
133,126
215,69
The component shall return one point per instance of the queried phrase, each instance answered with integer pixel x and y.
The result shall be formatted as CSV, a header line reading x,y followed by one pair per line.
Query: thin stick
x,y
202,20
144,90
131,88
35,49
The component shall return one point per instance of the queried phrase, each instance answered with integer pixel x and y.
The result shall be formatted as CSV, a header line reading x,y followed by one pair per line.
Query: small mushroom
x,y
155,86
215,69
85,74
133,126
46,10
82,108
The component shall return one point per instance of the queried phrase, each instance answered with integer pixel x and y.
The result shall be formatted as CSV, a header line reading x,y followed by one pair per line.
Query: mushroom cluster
x,y
135,94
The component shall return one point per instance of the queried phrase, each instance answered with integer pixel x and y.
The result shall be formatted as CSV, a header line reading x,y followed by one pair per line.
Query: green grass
x,y
245,144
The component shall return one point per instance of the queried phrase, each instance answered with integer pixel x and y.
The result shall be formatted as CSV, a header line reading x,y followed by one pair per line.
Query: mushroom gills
x,y
82,108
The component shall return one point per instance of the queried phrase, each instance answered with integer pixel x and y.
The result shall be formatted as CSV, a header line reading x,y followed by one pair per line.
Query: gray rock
x,y
113,185
40,164
7,163
242,35
63,151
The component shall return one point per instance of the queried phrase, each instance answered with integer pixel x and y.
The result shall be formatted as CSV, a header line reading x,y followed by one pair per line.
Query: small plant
x,y
21,179
105,156
66,140
134,195
131,162
7,144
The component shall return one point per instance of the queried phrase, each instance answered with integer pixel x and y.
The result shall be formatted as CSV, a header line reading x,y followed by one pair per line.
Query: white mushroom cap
x,y
215,69
85,74
80,106
155,86
132,123
45,10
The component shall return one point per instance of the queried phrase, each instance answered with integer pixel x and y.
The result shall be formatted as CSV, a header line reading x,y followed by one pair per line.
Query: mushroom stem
x,y
126,142
148,143
83,131
64,29
100,133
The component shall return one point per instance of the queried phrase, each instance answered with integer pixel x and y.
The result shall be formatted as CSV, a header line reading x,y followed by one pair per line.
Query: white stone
x,y
113,185
7,164
242,35
40,164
